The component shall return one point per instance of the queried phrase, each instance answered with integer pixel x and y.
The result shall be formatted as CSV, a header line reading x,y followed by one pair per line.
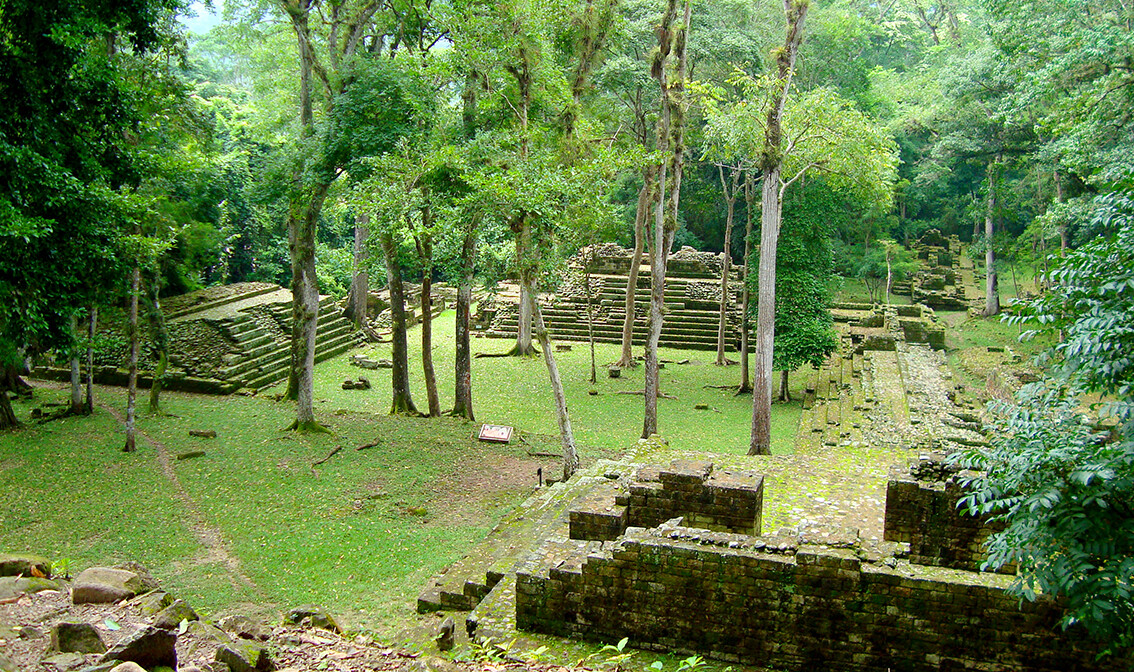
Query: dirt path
x,y
209,536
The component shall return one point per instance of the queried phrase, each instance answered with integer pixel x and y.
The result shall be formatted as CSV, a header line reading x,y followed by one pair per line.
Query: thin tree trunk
x,y
771,161
785,393
523,347
76,377
765,315
305,308
161,343
7,413
570,455
590,312
402,402
92,326
425,250
360,281
726,267
1062,221
745,318
645,201
991,286
132,377
462,397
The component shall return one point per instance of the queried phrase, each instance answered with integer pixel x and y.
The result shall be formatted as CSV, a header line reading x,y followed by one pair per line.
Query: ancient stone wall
x,y
921,510
707,498
734,598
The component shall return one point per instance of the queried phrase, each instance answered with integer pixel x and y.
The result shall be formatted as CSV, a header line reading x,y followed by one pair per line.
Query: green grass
x,y
362,533
515,391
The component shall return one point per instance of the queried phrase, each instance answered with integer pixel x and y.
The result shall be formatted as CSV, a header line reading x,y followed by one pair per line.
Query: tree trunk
x,y
590,312
360,281
671,134
765,315
527,273
76,378
425,250
7,414
402,402
302,220
991,286
570,455
462,397
160,340
726,266
132,377
785,393
92,326
745,319
1063,238
645,200
771,161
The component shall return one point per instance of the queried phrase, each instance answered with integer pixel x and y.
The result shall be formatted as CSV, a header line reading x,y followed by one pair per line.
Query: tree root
x,y
642,393
307,428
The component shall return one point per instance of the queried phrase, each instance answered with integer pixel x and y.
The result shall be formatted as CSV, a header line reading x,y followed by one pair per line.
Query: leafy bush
x,y
1060,470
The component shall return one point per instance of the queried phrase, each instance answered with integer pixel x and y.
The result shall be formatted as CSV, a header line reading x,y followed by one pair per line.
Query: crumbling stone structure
x,y
692,301
921,510
936,283
707,498
791,601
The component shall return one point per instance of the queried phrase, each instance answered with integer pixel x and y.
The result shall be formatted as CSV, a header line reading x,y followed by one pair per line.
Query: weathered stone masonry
x,y
786,603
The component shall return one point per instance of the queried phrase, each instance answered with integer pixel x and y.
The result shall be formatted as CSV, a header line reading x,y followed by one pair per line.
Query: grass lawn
x,y
361,533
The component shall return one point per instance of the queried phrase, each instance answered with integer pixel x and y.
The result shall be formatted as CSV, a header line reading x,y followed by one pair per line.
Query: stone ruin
x,y
795,600
223,339
692,300
937,283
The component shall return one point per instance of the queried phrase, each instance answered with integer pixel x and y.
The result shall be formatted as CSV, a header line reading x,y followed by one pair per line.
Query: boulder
x,y
14,586
445,634
128,666
150,647
21,564
314,616
69,637
170,617
153,602
203,640
244,627
245,656
63,661
98,585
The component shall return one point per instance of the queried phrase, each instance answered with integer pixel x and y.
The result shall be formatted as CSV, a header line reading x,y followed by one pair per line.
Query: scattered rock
x,y
444,636
170,617
562,347
153,602
700,407
23,564
362,384
97,585
30,632
314,616
150,647
127,667
434,664
245,656
14,586
244,627
64,661
69,637
203,433
614,372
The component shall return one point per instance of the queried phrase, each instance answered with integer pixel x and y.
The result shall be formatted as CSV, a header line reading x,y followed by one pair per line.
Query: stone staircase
x,y
691,319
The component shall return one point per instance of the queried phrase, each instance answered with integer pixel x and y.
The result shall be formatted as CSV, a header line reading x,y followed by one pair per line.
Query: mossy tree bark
x,y
360,280
462,404
646,197
402,400
302,220
425,252
92,326
770,163
991,284
672,38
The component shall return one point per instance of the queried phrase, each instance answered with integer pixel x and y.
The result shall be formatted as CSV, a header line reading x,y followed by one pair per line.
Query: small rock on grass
x,y
22,564
244,627
314,616
12,586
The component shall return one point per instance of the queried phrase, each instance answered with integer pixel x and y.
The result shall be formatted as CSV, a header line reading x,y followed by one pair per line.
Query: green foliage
x,y
1060,471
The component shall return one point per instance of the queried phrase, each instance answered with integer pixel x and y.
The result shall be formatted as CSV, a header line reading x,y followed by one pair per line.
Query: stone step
x,y
277,370
266,356
189,310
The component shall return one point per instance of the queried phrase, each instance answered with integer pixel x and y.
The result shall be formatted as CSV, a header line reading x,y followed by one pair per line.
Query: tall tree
x,y
670,74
